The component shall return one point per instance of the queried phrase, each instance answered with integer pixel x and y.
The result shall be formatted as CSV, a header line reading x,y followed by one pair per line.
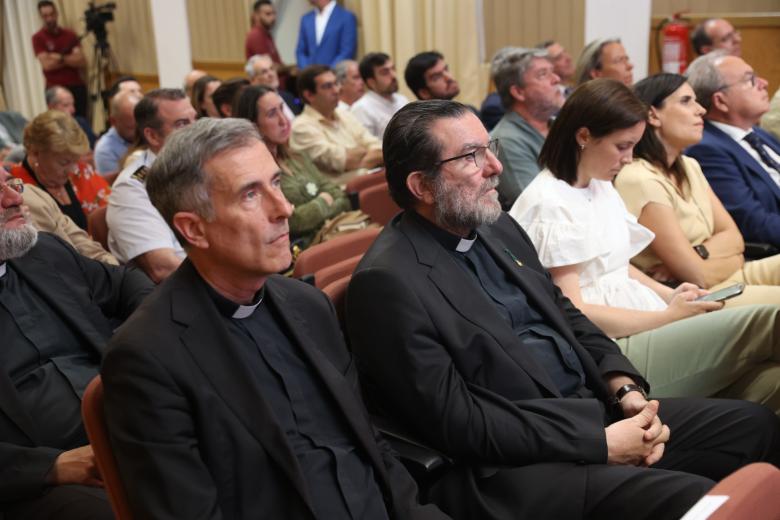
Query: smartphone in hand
x,y
723,294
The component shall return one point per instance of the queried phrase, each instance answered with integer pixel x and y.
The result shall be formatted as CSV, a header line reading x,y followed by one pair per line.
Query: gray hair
x,y
340,69
177,180
508,68
51,94
705,78
249,68
590,59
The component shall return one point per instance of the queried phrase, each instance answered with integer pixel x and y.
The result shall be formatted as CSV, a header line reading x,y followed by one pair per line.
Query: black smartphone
x,y
723,294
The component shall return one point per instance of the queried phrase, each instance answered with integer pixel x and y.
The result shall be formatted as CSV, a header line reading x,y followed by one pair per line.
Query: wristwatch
x,y
701,250
625,389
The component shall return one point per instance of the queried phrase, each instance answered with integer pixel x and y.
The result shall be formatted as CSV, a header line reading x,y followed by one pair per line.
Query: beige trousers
x,y
762,280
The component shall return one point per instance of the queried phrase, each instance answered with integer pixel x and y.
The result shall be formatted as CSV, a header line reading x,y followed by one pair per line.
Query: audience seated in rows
x,y
740,161
202,92
113,145
314,197
530,93
716,34
696,240
463,338
261,71
60,98
585,238
332,138
248,366
604,58
136,231
375,108
55,145
350,82
57,310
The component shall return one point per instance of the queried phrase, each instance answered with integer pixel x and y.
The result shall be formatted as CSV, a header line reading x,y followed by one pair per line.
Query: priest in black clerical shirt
x,y
57,311
230,393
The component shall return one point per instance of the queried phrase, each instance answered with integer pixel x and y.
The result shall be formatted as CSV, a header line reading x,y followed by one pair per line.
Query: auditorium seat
x,y
97,226
753,493
333,272
342,247
360,183
376,202
95,425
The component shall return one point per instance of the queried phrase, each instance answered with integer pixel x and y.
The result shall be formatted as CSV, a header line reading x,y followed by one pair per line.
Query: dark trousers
x,y
62,503
710,438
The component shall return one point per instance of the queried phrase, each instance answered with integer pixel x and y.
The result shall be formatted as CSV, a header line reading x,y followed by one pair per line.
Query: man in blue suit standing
x,y
741,161
328,34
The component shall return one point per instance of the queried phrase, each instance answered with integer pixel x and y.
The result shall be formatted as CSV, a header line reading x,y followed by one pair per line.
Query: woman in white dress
x,y
586,237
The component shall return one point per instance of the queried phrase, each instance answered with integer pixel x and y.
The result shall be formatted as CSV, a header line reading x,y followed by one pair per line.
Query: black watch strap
x,y
623,390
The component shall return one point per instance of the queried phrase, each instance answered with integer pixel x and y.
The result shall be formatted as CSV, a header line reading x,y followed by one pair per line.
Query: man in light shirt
x,y
382,100
740,160
337,143
352,85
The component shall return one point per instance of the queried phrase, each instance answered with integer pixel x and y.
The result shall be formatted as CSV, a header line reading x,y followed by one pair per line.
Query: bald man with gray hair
x,y
113,145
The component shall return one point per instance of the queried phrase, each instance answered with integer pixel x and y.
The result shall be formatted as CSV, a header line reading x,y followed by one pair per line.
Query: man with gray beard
x,y
57,310
462,338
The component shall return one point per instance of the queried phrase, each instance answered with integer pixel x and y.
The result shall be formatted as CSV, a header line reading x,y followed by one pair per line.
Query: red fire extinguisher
x,y
673,52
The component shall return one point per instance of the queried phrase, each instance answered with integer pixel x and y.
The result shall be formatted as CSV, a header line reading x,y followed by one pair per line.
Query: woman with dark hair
x,y
585,237
696,240
316,198
201,99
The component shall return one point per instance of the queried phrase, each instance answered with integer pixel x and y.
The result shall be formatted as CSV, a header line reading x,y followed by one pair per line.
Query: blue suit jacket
x,y
339,41
741,183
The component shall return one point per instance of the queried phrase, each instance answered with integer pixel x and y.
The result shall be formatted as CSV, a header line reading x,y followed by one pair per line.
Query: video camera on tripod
x,y
96,17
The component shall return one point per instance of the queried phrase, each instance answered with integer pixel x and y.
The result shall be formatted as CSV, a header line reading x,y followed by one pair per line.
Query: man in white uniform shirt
x,y
137,231
382,99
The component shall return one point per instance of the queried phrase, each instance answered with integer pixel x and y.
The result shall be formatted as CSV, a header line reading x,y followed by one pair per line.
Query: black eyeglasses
x,y
14,183
477,155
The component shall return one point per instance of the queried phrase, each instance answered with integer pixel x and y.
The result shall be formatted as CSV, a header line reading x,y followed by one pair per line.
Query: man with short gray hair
x,y
531,95
352,84
260,70
740,160
716,33
113,145
232,393
604,58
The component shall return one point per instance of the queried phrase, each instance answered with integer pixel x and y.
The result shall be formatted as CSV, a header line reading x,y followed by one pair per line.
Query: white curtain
x,y
22,75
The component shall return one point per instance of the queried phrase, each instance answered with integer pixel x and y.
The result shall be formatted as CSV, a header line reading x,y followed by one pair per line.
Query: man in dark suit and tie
x,y
231,394
327,35
464,339
740,160
57,311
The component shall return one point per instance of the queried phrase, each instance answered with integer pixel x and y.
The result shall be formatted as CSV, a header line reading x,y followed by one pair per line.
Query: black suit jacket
x,y
193,435
88,296
438,356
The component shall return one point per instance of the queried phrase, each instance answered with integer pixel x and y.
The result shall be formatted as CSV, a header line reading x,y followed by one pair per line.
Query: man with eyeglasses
x,y
716,33
332,137
530,93
463,339
57,311
740,160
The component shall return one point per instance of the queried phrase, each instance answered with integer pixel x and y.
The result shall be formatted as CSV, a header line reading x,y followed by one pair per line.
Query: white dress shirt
x,y
321,20
738,134
374,111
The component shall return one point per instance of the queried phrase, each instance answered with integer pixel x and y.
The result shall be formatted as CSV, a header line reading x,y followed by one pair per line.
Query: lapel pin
x,y
514,258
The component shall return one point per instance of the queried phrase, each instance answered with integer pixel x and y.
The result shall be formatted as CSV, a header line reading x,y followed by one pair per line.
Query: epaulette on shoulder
x,y
140,174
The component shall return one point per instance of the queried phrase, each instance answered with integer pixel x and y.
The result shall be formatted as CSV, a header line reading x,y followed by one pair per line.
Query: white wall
x,y
172,41
288,21
628,20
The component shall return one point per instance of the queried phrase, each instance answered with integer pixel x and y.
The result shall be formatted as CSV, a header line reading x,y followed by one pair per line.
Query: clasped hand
x,y
638,440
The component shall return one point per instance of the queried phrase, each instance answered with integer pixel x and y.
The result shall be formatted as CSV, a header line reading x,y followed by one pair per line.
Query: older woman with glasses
x,y
585,237
55,144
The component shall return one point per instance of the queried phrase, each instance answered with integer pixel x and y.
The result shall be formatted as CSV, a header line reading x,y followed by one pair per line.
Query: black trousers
x,y
62,503
710,438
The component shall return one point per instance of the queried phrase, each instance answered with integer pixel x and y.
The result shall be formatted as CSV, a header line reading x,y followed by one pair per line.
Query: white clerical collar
x,y
2,269
245,311
464,246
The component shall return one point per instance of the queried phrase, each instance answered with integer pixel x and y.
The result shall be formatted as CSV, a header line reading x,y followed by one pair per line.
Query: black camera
x,y
96,17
